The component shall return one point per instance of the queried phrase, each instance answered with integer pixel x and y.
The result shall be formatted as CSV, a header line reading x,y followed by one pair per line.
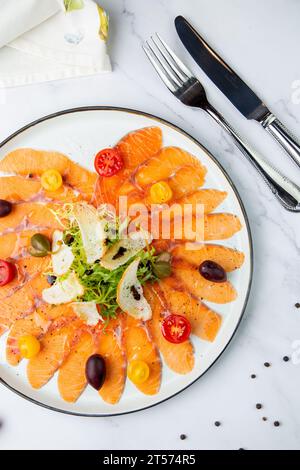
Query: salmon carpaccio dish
x,y
92,297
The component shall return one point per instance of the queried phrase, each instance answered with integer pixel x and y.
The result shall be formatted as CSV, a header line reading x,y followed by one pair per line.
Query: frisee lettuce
x,y
100,284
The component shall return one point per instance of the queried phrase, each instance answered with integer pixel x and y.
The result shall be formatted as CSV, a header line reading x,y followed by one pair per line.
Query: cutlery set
x,y
188,89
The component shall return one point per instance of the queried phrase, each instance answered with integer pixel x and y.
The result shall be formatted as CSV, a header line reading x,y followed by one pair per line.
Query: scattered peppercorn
x,y
297,305
276,424
217,423
253,376
267,364
286,359
182,437
51,279
258,406
265,418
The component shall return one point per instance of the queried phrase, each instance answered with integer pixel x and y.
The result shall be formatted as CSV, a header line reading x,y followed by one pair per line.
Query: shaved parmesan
x,y
63,291
88,312
92,229
62,257
130,296
125,249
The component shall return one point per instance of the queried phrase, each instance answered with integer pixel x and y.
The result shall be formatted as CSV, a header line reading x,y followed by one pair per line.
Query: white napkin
x,y
63,45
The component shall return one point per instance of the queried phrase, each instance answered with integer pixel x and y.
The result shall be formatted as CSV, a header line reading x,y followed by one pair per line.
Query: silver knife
x,y
236,90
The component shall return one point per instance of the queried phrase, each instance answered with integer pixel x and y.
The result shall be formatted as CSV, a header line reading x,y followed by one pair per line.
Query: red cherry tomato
x,y
108,162
7,272
176,328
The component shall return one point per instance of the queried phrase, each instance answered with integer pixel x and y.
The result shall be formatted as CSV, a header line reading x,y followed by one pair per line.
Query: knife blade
x,y
234,88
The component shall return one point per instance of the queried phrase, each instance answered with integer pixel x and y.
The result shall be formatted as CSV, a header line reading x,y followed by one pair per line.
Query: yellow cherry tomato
x,y
138,372
51,180
29,346
160,192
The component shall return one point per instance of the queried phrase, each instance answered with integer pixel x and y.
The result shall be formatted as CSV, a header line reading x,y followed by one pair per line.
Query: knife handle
x,y
287,192
283,136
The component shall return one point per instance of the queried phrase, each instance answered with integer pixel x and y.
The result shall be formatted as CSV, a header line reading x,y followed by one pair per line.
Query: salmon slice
x,y
135,147
229,258
205,323
15,245
209,198
23,301
71,377
29,216
33,325
27,161
111,347
221,226
178,357
140,347
26,269
55,347
189,276
36,324
18,188
139,145
185,181
165,164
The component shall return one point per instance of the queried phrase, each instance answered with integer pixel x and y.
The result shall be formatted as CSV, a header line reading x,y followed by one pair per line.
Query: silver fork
x,y
188,89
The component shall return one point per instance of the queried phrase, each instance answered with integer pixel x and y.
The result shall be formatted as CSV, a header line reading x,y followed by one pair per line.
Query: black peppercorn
x,y
267,364
258,406
217,423
182,437
276,424
286,358
253,376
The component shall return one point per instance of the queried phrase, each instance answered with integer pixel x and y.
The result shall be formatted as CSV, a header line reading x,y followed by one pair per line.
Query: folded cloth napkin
x,y
64,38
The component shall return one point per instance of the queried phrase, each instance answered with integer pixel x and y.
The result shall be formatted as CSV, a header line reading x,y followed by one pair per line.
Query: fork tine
x,y
169,70
181,68
159,67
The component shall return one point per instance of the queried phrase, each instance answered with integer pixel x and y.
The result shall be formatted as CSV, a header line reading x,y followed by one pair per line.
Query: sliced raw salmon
x,y
29,216
55,347
139,145
18,188
30,325
185,181
71,377
31,162
229,258
112,348
178,357
23,301
135,147
189,276
221,226
36,324
205,322
165,164
209,198
15,245
140,347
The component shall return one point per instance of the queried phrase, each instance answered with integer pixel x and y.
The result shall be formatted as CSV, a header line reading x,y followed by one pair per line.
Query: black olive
x,y
212,271
51,279
5,207
95,371
135,293
120,252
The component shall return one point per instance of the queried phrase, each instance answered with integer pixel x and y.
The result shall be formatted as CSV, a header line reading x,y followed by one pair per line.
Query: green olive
x,y
164,256
162,269
40,245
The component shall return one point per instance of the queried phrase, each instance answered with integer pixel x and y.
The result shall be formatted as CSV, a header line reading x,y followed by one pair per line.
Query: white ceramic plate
x,y
80,133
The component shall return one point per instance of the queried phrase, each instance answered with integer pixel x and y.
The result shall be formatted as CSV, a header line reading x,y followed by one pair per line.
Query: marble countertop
x,y
261,40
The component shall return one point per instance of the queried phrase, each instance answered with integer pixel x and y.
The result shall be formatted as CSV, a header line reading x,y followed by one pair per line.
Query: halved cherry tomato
x,y
176,328
108,162
51,180
138,372
29,346
160,192
7,272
